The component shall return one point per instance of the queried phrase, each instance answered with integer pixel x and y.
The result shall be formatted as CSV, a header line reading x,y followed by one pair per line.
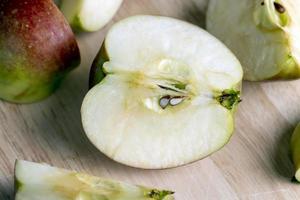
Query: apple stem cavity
x,y
271,15
229,98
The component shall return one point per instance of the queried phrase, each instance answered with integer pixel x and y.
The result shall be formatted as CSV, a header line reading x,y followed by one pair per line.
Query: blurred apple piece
x,y
89,15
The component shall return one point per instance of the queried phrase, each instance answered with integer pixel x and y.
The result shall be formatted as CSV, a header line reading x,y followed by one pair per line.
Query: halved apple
x,y
167,94
295,148
263,34
89,15
35,181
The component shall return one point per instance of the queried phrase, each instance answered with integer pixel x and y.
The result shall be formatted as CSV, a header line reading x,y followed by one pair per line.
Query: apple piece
x,y
295,148
89,15
57,2
167,94
35,181
263,34
37,49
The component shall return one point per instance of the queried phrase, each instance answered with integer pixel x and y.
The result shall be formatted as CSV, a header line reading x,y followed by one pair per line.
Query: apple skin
x,y
37,49
97,73
295,148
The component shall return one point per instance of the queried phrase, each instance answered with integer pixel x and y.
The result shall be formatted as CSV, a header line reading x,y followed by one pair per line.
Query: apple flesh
x,y
89,15
295,148
37,49
263,34
167,93
35,181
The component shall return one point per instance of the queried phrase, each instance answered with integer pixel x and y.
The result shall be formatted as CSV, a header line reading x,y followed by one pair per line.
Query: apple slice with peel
x,y
295,148
263,34
89,15
167,94
35,181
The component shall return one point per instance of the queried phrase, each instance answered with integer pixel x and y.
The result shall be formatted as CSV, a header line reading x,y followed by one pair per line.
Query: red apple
x,y
37,49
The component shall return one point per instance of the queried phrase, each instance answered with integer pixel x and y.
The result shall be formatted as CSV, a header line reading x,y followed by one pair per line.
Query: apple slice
x,y
167,95
295,148
263,34
89,15
35,181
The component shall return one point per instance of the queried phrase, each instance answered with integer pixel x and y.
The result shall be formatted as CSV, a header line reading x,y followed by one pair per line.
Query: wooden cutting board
x,y
254,165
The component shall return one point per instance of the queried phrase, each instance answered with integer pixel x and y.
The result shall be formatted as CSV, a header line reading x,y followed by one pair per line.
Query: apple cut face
x,y
263,34
168,96
35,181
89,15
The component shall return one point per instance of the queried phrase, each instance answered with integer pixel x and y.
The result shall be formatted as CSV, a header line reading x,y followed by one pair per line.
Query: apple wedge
x,y
295,148
167,94
263,34
35,181
89,15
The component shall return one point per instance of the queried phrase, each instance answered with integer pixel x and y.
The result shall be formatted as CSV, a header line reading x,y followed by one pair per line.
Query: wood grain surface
x,y
255,165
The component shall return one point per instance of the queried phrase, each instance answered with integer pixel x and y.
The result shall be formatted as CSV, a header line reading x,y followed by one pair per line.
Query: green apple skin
x,y
97,73
295,148
37,50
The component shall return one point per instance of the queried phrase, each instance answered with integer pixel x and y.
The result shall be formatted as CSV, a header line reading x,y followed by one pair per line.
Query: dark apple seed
x,y
279,7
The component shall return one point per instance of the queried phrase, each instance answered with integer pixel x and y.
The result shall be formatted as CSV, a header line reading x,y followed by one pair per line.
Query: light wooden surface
x,y
255,164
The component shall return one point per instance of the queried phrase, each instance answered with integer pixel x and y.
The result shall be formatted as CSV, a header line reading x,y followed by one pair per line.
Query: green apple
x,y
295,147
89,15
263,34
35,181
167,93
37,49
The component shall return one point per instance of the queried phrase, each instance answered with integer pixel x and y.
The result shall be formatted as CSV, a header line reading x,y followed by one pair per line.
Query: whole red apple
x,y
37,49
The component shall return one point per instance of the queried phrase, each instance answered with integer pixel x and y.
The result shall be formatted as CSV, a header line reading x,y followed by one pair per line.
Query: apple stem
x,y
159,195
229,98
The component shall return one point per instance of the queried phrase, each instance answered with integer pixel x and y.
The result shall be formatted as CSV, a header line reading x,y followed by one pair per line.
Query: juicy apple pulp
x,y
35,181
263,34
167,94
89,15
295,148
37,49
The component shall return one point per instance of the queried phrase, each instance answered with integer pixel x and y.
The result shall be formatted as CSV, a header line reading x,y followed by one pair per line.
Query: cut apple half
x,y
167,94
89,15
35,181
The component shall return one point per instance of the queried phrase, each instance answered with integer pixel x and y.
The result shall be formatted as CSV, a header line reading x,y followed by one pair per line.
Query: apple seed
x,y
176,100
164,101
279,7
